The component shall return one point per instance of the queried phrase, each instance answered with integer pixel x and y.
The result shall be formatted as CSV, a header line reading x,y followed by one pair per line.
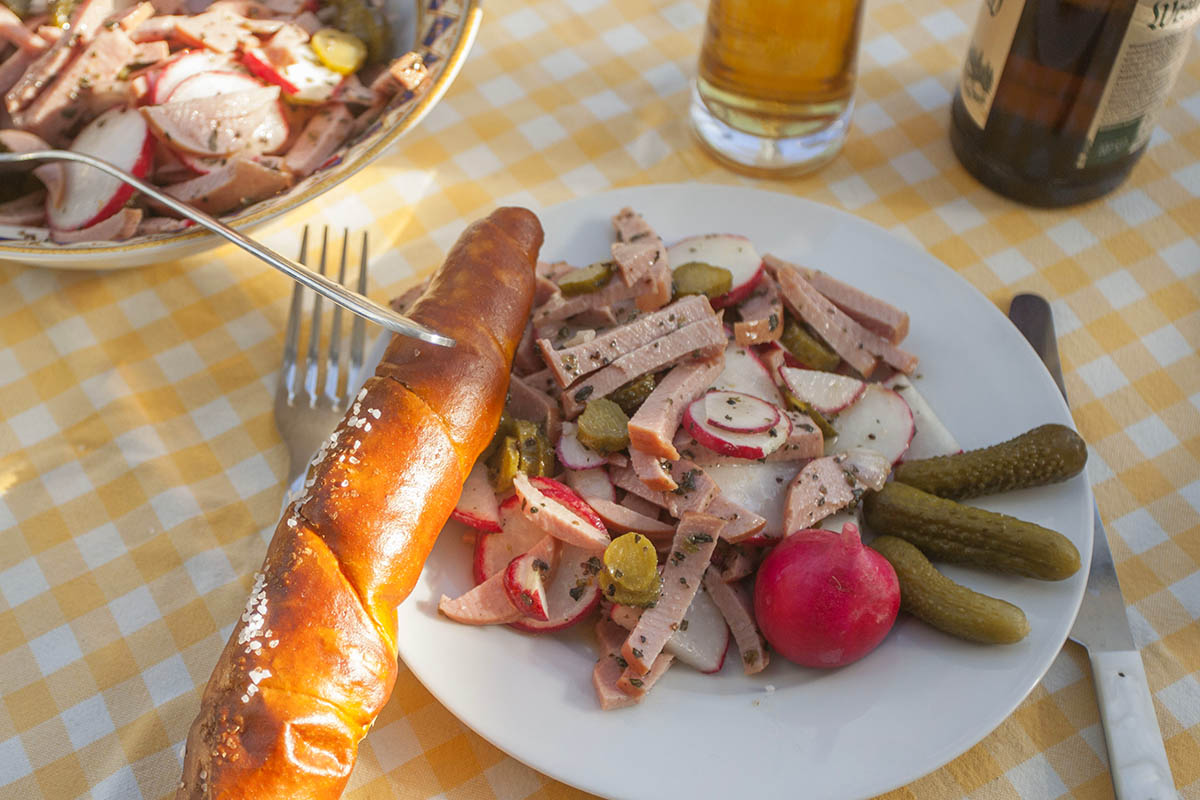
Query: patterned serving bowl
x,y
441,31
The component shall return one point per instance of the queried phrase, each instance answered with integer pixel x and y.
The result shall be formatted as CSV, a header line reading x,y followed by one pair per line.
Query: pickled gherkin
x,y
60,12
696,277
18,7
947,531
537,455
1047,454
518,446
631,396
342,52
631,562
817,417
806,348
587,279
626,597
505,463
946,605
368,24
603,426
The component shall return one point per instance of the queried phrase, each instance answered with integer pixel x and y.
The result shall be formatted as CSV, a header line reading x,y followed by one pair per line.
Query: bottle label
x,y
993,38
1150,58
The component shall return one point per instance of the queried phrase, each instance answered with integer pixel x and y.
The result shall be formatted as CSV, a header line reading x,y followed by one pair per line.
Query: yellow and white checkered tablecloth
x,y
140,466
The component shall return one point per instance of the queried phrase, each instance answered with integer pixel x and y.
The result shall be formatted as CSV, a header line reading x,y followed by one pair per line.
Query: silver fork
x,y
312,396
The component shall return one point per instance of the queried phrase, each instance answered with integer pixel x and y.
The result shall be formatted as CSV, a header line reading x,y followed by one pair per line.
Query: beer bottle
x,y
1058,97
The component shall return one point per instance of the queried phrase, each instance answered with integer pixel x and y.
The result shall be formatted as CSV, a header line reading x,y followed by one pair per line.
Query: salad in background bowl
x,y
245,109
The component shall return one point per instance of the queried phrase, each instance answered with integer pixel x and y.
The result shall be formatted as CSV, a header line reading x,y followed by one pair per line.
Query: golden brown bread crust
x,y
312,660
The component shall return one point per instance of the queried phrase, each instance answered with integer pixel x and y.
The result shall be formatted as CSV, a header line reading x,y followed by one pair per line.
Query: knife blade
x,y
1136,756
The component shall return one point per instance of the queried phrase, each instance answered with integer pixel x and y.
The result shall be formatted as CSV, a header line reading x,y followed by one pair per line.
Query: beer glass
x,y
776,82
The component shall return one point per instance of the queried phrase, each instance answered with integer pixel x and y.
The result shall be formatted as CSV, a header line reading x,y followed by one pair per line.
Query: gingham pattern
x,y
140,468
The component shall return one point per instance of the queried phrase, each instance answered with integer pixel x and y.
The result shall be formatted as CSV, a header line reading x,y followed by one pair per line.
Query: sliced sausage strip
x,y
651,470
654,424
611,666
877,316
702,339
737,608
691,551
695,491
762,315
571,363
620,519
850,340
740,523
843,334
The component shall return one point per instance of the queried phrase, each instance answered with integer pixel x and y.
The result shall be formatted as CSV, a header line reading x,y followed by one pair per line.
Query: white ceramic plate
x,y
918,701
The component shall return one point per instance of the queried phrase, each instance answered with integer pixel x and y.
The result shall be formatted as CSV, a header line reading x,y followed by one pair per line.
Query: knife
x,y
1137,759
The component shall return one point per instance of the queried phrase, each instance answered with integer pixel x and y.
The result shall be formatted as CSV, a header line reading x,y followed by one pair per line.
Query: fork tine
x,y
335,334
314,339
291,339
358,329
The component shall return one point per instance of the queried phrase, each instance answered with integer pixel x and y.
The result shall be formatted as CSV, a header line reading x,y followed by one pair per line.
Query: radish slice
x,y
731,252
745,372
477,504
119,136
761,488
573,592
564,494
184,66
931,437
740,413
702,639
592,483
621,519
305,80
212,84
525,583
270,134
494,551
879,421
729,443
826,392
573,453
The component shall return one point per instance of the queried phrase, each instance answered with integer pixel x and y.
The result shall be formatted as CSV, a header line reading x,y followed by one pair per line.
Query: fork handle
x,y
356,303
1137,758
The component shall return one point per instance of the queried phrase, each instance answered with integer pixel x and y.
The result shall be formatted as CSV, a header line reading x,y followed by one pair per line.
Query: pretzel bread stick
x,y
312,660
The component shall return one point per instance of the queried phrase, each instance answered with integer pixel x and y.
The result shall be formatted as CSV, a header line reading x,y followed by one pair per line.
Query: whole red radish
x,y
822,599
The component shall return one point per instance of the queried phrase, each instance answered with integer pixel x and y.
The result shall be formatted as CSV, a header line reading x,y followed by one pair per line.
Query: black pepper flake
x,y
636,653
636,683
584,393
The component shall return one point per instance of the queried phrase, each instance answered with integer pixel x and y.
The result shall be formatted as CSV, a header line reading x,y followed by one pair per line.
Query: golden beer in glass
x,y
776,82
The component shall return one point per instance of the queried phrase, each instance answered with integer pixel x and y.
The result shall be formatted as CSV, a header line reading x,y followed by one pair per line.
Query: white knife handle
x,y
1136,756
